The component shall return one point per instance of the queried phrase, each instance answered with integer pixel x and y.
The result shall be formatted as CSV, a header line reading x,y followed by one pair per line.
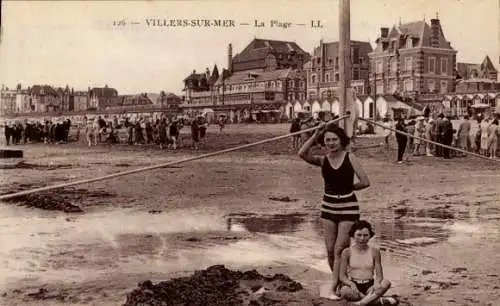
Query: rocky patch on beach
x,y
216,285
47,202
58,199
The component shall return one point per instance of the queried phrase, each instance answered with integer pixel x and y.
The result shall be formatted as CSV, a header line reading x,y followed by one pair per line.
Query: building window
x,y
273,84
290,84
301,84
312,95
278,84
409,43
337,77
444,86
297,96
379,67
394,86
313,79
444,66
432,65
355,74
355,55
408,85
432,85
380,89
408,64
394,66
290,96
327,77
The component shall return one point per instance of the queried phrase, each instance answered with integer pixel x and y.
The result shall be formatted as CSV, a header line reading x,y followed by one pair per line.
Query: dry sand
x,y
436,221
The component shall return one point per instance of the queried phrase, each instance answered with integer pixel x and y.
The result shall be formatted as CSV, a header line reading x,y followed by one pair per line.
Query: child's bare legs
x,y
349,294
375,292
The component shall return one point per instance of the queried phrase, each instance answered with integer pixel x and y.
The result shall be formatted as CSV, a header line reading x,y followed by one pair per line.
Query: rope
x,y
164,165
430,141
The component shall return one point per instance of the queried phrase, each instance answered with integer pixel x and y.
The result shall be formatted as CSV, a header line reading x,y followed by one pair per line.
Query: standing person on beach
x,y
295,127
484,127
463,134
339,209
387,132
429,128
493,132
401,139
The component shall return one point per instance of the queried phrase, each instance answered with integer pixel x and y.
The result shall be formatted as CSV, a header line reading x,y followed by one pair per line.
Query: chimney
x,y
230,58
435,32
384,32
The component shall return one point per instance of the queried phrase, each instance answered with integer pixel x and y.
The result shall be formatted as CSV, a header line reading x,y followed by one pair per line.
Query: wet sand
x,y
436,221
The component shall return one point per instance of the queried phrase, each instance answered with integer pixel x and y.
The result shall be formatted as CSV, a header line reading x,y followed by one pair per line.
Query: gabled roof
x,y
487,65
258,48
138,99
413,29
43,90
255,53
419,30
195,76
104,92
466,70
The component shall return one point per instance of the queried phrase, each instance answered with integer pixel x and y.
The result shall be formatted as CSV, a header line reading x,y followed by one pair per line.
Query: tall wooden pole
x,y
344,56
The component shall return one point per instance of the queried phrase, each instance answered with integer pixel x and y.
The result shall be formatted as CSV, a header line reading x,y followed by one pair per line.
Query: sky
x,y
76,43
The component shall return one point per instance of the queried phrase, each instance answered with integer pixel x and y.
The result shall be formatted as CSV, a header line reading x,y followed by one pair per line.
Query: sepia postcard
x,y
285,152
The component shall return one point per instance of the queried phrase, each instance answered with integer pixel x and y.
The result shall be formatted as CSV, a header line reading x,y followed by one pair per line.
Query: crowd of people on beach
x,y
22,132
164,132
424,130
484,141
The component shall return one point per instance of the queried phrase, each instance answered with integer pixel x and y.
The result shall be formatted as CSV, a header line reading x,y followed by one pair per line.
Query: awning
x,y
480,105
207,110
399,105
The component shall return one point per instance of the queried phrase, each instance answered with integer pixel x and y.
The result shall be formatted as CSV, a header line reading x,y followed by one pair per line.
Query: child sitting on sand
x,y
361,269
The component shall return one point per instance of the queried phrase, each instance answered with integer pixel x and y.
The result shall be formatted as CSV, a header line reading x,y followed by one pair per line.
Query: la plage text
x,y
193,23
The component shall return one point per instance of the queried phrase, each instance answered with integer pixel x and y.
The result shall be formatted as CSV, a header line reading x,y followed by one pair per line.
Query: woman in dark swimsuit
x,y
339,209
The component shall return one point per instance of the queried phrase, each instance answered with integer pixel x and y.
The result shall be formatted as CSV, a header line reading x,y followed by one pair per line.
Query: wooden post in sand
x,y
345,61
